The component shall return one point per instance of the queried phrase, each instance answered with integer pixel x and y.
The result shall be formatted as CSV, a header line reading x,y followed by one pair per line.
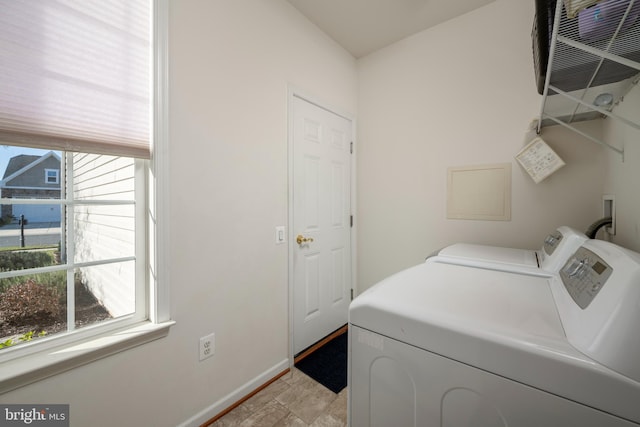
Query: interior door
x,y
321,230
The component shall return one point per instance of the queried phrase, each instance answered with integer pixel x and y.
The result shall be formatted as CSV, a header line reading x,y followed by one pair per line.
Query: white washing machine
x,y
556,249
446,345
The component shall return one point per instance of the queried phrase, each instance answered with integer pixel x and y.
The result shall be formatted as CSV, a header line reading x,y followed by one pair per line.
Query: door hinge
x,y
352,294
351,220
351,147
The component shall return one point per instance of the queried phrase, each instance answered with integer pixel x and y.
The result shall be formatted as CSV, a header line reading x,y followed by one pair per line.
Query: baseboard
x,y
304,353
236,396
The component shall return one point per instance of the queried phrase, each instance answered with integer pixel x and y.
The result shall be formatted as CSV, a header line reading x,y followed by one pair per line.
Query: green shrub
x,y
7,219
19,260
55,279
29,303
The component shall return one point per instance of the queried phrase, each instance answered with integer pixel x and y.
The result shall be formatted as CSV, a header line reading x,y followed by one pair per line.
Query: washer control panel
x,y
584,275
552,241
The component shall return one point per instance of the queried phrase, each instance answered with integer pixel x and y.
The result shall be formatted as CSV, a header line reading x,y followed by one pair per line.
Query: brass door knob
x,y
301,239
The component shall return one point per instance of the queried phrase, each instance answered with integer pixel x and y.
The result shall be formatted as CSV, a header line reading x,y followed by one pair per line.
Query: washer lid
x,y
490,257
556,249
497,321
471,251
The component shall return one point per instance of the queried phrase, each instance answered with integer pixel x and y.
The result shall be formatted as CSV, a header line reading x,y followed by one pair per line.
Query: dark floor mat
x,y
328,364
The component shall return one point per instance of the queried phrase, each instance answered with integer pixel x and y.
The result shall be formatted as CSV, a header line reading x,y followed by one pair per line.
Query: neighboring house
x,y
29,177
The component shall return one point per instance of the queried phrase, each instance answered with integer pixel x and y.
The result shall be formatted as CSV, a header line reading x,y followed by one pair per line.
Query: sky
x,y
8,151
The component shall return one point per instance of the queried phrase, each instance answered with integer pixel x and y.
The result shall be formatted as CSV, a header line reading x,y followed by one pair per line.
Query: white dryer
x,y
448,345
556,249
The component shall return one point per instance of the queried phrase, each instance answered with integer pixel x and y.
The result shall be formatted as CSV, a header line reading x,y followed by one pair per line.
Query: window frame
x,y
59,354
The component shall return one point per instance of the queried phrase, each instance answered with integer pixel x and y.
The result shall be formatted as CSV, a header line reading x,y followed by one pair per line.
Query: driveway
x,y
38,233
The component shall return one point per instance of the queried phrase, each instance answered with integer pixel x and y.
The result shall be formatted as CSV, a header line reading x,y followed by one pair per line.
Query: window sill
x,y
37,366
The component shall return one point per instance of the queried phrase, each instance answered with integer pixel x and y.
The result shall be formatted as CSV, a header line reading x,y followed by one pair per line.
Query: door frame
x,y
293,92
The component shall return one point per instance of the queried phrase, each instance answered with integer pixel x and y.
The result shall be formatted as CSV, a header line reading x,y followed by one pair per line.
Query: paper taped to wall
x,y
539,160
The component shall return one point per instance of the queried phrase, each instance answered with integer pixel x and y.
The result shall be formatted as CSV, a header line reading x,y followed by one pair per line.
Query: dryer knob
x,y
577,268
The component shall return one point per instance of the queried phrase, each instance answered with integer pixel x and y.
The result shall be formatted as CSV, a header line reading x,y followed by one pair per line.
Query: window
x,y
89,270
52,176
99,268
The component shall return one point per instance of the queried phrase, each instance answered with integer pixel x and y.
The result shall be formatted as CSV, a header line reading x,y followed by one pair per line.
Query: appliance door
x,y
395,384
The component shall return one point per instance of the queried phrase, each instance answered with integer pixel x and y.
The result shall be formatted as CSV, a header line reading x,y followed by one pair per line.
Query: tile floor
x,y
292,400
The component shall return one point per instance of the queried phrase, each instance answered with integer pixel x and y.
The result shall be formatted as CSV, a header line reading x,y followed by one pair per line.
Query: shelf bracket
x,y
595,108
586,135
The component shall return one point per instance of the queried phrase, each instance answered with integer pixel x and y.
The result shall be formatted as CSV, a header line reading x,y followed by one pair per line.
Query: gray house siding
x,y
34,177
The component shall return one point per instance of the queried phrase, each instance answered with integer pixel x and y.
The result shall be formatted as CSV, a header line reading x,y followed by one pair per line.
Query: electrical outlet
x,y
207,346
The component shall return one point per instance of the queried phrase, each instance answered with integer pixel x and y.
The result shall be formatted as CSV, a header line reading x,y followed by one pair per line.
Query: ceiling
x,y
363,26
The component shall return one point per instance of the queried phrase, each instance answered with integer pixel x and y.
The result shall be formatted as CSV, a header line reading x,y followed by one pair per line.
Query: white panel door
x,y
321,218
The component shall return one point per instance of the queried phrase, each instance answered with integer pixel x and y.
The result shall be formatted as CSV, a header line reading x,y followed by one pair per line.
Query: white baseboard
x,y
236,395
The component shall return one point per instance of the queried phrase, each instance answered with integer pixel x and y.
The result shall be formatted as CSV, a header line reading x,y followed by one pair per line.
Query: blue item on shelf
x,y
601,20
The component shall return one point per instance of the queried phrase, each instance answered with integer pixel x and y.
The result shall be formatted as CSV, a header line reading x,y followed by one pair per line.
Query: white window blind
x,y
75,75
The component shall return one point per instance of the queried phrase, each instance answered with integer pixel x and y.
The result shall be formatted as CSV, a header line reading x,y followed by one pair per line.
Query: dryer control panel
x,y
558,247
584,275
552,241
597,296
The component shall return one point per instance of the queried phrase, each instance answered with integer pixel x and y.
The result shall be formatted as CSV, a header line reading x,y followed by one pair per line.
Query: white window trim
x,y
57,176
34,367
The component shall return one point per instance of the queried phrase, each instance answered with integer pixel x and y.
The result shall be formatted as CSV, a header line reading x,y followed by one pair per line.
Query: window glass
x,y
68,253
51,176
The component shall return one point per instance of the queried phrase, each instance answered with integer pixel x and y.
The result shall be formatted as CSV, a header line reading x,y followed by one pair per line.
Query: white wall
x,y
230,66
101,233
462,93
624,176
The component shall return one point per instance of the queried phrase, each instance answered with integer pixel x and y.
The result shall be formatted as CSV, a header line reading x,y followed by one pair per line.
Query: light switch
x,y
281,236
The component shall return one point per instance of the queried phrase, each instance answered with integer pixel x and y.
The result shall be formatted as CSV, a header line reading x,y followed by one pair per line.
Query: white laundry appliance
x,y
447,345
546,261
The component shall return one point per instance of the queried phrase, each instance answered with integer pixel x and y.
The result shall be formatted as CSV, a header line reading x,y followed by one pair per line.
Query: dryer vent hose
x,y
593,228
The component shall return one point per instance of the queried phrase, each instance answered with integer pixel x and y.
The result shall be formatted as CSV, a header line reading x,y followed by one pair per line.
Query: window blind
x,y
75,75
